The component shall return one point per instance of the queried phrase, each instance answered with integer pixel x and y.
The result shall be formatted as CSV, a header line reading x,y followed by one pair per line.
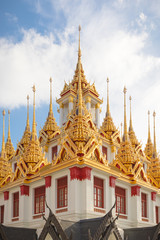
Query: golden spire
x,y
34,133
3,138
130,126
154,144
149,146
50,107
125,135
9,134
27,110
79,78
149,134
9,146
50,129
108,110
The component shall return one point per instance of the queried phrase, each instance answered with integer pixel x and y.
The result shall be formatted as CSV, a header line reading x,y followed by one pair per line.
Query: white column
x,y
49,197
61,114
24,203
135,204
152,207
98,115
88,103
112,184
70,104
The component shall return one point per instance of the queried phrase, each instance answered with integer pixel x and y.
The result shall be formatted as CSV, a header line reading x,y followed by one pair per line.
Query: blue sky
x,y
119,40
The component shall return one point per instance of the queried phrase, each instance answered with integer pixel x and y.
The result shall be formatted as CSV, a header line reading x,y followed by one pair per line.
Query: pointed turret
x,y
154,143
5,167
108,128
33,155
131,132
126,159
22,145
154,165
50,129
149,146
9,146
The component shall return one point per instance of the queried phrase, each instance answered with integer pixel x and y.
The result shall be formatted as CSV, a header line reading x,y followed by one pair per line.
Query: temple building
x,y
80,168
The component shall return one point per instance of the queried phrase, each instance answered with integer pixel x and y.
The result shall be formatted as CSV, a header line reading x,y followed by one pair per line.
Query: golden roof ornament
x,y
22,145
131,132
126,159
5,167
149,146
153,170
108,128
9,146
50,129
33,156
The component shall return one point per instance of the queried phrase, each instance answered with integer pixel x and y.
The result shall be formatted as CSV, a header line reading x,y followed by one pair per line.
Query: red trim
x,y
37,216
6,195
15,219
80,173
153,196
145,220
24,190
122,216
99,210
62,210
135,191
112,181
48,181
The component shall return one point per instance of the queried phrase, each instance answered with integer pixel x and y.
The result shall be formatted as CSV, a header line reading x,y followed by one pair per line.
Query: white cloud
x,y
109,49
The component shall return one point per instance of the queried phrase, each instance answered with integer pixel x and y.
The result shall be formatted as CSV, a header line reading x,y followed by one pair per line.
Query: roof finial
x,y
79,78
154,146
9,134
3,140
130,126
125,135
50,107
79,48
34,134
27,110
149,134
108,110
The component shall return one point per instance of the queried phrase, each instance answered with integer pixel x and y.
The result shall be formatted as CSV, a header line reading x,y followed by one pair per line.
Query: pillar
x,y
88,103
112,184
135,204
61,114
24,203
98,115
70,103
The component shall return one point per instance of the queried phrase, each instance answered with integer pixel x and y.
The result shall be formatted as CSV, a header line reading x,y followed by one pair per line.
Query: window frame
x,y
37,210
120,193
98,191
144,211
62,192
2,214
16,204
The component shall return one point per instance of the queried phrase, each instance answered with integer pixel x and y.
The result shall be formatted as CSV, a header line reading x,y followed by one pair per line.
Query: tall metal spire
x,y
34,133
27,110
125,136
149,134
3,137
154,145
9,134
50,106
108,109
130,125
79,78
